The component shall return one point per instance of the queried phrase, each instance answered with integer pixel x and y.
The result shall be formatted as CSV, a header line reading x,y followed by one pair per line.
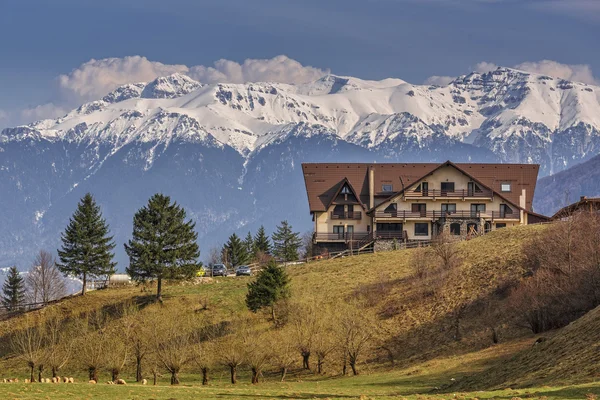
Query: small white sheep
x,y
92,382
121,382
71,380
144,382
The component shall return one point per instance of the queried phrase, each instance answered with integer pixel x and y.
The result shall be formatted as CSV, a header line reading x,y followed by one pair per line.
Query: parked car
x,y
243,270
219,270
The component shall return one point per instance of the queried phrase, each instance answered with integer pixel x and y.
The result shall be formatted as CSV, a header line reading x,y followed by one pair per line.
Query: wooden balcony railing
x,y
407,214
347,215
389,235
461,193
346,236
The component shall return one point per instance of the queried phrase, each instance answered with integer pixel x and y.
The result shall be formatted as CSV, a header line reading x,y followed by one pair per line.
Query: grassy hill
x,y
434,327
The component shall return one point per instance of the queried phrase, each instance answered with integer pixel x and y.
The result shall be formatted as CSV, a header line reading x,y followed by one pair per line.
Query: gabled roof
x,y
339,189
446,164
584,204
322,179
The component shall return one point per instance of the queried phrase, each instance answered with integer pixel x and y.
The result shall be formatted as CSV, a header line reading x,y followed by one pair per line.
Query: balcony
x,y
341,237
407,214
347,215
461,194
389,235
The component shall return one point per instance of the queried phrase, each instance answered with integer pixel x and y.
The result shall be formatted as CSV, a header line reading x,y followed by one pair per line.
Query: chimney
x,y
583,198
371,187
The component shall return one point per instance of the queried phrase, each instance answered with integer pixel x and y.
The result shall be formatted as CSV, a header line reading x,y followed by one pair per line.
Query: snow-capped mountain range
x,y
231,152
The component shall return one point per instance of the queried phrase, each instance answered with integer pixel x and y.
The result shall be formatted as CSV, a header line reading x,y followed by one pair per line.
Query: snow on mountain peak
x,y
169,87
485,109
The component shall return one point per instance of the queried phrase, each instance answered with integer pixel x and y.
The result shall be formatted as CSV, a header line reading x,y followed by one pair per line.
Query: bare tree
x,y
445,248
28,345
324,341
258,355
92,342
59,343
284,351
307,244
215,256
44,282
140,342
356,334
232,351
304,323
171,338
203,357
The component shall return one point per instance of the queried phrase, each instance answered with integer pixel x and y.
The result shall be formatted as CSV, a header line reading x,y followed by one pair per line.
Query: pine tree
x,y
13,291
86,249
163,245
236,251
286,242
261,242
249,243
270,286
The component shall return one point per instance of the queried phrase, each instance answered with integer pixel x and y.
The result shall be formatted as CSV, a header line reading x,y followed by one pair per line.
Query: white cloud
x,y
577,73
571,72
439,80
95,78
10,118
43,111
278,69
484,67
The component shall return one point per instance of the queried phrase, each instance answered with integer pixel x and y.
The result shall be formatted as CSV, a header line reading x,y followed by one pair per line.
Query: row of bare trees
x,y
154,341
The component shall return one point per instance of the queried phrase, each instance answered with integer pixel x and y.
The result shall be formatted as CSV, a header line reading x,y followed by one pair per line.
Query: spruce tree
x,y
270,286
163,245
86,250
249,243
13,291
261,242
236,251
286,242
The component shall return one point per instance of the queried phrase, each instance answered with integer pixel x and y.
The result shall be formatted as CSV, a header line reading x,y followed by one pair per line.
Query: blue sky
x,y
372,39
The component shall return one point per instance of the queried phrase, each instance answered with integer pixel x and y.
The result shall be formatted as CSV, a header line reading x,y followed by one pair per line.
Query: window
x,y
346,190
500,226
421,229
505,187
455,229
387,188
473,189
505,210
391,208
476,209
420,208
448,208
338,211
447,187
339,230
393,227
350,229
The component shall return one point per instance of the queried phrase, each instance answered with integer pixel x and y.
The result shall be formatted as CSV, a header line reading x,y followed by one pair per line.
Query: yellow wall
x,y
324,223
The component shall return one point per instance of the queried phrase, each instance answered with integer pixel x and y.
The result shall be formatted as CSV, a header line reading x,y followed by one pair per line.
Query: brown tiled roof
x,y
322,180
584,204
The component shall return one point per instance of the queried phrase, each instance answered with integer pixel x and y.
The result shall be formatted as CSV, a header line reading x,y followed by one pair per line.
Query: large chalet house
x,y
356,205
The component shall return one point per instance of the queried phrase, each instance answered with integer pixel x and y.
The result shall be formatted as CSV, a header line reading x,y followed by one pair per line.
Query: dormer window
x,y
505,187
387,188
